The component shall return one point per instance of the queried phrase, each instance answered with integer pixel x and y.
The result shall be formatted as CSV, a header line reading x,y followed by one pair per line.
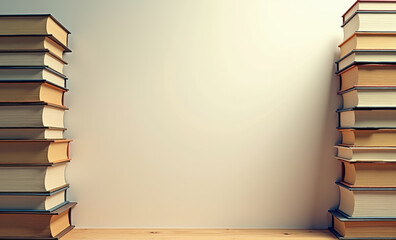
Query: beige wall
x,y
202,113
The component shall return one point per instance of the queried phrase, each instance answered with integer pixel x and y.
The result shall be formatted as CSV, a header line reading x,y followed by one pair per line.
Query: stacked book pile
x,y
367,122
33,151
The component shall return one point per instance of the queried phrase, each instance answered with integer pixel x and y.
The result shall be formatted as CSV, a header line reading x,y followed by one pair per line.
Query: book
x,y
33,202
34,151
32,178
359,5
33,42
47,225
31,114
367,117
31,92
367,202
366,154
369,97
368,41
32,74
362,228
369,138
369,174
37,24
372,21
365,57
41,57
31,133
368,75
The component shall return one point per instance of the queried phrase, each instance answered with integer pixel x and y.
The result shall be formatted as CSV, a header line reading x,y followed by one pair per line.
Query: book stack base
x,y
33,151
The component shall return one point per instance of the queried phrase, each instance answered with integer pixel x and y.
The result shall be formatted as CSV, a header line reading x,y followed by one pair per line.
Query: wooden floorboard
x,y
196,234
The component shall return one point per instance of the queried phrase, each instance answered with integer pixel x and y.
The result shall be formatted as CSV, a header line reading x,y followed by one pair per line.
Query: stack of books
x,y
33,151
367,122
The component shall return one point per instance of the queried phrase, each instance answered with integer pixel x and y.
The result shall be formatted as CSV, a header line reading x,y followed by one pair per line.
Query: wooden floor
x,y
196,234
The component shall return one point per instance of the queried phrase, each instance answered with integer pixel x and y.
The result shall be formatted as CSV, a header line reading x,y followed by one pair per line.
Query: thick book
x,y
369,138
367,202
362,228
384,117
36,225
375,97
359,5
28,24
33,201
32,178
31,133
32,74
32,92
33,42
368,41
34,151
368,75
366,57
366,154
41,57
371,21
369,174
31,114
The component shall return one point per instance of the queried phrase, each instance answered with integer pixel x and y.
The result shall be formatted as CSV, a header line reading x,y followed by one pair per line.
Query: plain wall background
x,y
205,113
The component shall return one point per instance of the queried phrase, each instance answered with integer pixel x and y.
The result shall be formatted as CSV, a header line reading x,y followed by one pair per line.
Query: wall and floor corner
x,y
200,113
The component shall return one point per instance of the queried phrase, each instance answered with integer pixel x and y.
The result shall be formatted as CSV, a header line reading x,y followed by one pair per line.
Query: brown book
x,y
31,114
31,58
372,56
368,75
369,174
368,138
28,24
363,228
368,41
31,92
368,118
32,74
36,225
34,151
382,5
33,42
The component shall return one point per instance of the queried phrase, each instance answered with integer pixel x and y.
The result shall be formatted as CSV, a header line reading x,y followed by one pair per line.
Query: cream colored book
x,y
365,154
370,21
368,41
366,57
363,228
31,115
31,178
33,24
369,138
31,58
31,133
34,151
33,42
367,118
367,202
368,75
32,74
33,202
383,5
369,97
31,92
369,174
